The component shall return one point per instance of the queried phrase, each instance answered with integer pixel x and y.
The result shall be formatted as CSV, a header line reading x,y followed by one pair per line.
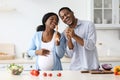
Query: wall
x,y
18,27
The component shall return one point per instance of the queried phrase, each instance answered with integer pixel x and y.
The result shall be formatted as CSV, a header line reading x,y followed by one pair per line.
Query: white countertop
x,y
101,59
109,59
64,60
66,75
17,60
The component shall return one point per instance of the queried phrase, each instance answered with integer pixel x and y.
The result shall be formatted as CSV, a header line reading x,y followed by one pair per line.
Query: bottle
x,y
98,20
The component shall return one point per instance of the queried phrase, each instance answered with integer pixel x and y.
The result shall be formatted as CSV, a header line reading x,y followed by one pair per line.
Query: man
x,y
81,41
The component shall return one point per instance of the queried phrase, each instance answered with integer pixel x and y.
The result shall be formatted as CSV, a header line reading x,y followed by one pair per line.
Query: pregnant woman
x,y
46,44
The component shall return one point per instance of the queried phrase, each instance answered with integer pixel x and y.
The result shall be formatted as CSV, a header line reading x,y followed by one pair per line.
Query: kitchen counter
x,y
18,60
66,75
101,59
64,60
109,59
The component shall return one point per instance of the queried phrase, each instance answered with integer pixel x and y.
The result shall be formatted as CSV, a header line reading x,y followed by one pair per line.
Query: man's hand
x,y
69,32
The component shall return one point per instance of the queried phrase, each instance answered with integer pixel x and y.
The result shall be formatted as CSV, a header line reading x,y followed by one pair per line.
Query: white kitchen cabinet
x,y
106,13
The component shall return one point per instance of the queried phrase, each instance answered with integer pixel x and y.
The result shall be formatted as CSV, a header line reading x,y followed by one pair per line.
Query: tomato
x,y
44,74
31,72
50,74
59,74
116,73
34,72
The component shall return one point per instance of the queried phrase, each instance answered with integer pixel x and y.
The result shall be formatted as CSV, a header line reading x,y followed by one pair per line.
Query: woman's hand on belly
x,y
43,52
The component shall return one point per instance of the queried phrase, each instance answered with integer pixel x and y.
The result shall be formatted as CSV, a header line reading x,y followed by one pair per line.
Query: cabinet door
x,y
106,12
103,11
119,11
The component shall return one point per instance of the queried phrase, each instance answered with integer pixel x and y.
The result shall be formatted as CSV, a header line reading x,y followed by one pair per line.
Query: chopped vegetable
x,y
15,69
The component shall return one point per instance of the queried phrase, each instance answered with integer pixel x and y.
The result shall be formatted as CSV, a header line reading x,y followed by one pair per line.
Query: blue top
x,y
84,57
57,54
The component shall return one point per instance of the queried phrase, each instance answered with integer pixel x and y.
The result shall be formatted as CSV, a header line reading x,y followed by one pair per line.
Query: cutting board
x,y
101,72
7,51
84,71
7,57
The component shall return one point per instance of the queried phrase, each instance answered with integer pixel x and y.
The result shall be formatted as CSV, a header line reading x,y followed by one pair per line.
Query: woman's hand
x,y
43,52
57,38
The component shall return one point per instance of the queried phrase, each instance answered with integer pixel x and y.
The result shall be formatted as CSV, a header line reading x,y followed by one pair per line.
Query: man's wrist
x,y
75,36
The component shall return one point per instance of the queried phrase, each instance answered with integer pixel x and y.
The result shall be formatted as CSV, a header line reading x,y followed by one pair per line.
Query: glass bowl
x,y
15,69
